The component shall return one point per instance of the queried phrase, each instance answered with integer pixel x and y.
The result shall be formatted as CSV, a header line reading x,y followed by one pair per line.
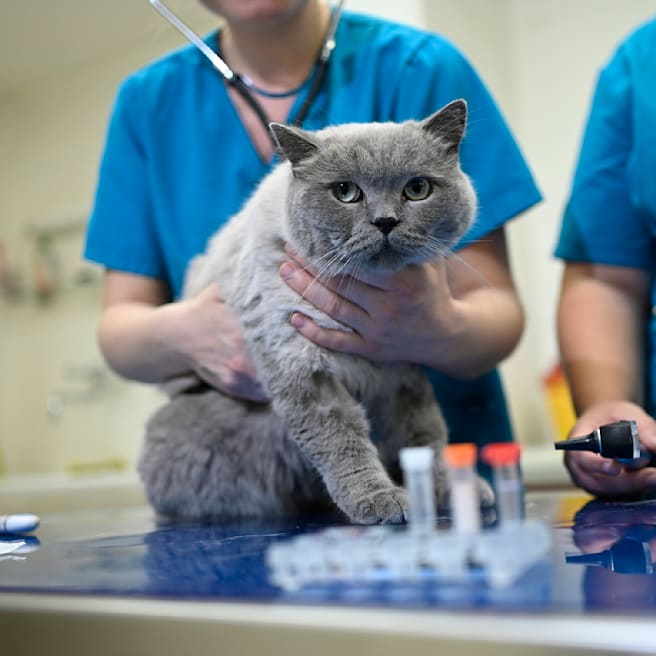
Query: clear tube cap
x,y
416,457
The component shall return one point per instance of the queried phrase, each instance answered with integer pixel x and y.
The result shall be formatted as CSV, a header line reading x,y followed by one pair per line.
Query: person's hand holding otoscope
x,y
618,440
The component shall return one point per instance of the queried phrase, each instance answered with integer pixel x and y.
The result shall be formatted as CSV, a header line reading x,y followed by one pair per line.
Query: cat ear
x,y
294,144
448,123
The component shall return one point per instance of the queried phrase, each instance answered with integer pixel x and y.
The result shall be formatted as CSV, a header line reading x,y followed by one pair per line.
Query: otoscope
x,y
618,440
626,556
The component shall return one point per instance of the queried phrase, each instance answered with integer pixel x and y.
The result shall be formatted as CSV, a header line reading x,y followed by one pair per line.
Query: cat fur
x,y
332,432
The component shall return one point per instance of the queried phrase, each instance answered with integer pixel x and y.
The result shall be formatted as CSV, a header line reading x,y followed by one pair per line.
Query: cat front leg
x,y
430,422
426,426
418,418
333,432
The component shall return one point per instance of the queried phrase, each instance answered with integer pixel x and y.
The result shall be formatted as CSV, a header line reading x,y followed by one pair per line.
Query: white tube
x,y
417,465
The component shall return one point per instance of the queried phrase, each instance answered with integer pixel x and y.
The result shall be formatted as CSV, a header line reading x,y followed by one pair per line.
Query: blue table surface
x,y
601,560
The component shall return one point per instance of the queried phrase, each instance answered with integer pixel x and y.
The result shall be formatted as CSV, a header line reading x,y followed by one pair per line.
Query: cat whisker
x,y
322,274
442,249
435,246
319,265
350,279
353,265
462,262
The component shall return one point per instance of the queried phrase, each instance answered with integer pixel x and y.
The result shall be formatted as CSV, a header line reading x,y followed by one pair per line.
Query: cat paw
x,y
386,506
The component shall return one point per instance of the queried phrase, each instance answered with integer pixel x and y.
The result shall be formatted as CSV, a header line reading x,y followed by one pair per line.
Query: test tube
x,y
465,502
503,457
417,465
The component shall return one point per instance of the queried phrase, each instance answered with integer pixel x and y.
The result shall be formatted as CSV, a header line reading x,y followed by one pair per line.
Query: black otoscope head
x,y
616,440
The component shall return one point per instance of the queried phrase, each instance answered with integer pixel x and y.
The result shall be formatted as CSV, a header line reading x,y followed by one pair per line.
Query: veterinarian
x,y
186,146
606,322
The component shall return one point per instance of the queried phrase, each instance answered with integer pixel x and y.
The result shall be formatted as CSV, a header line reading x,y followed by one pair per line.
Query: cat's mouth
x,y
395,254
387,255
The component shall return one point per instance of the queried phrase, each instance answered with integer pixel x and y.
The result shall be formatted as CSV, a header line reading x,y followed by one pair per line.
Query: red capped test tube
x,y
503,458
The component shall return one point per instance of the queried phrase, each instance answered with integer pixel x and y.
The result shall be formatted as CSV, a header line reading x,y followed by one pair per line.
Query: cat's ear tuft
x,y
448,123
293,144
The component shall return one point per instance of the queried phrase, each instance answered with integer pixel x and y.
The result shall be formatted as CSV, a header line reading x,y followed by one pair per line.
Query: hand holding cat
x,y
395,317
216,348
460,316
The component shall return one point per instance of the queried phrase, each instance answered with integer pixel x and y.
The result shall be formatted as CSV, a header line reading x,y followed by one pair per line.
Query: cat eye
x,y
346,192
417,189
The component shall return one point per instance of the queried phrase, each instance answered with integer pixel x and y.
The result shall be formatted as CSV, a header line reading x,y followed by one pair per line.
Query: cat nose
x,y
385,223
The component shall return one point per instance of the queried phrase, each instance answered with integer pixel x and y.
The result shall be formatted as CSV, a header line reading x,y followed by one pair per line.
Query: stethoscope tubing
x,y
236,82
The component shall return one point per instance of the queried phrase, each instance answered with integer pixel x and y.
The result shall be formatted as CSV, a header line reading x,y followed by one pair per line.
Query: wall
x,y
539,59
51,133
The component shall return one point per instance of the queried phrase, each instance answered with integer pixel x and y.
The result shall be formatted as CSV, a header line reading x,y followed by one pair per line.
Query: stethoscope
x,y
244,85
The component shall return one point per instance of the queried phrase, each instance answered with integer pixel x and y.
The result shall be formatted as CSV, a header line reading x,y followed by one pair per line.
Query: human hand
x,y
394,317
212,340
606,477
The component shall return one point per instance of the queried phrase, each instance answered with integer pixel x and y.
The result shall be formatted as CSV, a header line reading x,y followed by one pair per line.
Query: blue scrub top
x,y
610,217
178,162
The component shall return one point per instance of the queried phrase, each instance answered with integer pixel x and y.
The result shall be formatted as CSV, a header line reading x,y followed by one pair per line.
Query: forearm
x,y
601,334
487,326
137,341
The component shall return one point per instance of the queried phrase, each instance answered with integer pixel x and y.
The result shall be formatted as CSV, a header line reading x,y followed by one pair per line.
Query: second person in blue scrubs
x,y
607,322
184,151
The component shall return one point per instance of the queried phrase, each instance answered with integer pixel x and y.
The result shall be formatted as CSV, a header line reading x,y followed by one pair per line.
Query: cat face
x,y
377,196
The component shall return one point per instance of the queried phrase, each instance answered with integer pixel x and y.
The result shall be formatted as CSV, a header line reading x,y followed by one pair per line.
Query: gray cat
x,y
348,199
